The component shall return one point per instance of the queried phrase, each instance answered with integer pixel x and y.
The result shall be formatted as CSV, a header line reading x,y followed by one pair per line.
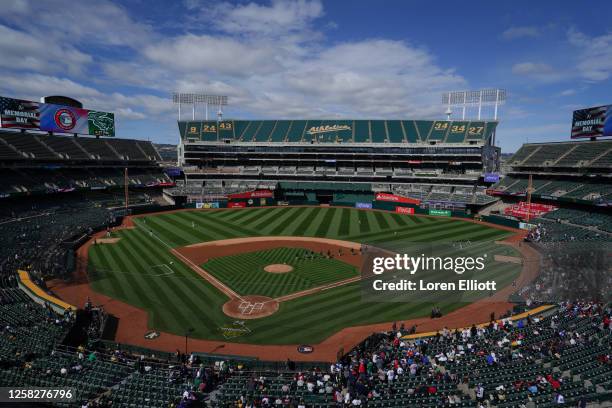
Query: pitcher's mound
x,y
278,268
250,307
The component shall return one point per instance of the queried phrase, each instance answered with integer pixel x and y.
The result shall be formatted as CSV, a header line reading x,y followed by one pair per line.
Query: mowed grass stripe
x,y
325,224
179,226
400,219
287,227
271,218
105,280
180,287
386,234
239,214
166,291
432,234
364,224
381,220
255,215
228,225
282,222
345,222
311,213
169,236
319,215
213,228
123,256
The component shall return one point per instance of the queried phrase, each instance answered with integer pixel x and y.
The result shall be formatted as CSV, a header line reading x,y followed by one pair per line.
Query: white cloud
x,y
539,71
23,51
567,92
33,86
271,60
594,55
514,33
68,21
278,17
221,55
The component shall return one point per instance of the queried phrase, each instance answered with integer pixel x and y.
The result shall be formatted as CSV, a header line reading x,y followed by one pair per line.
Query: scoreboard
x,y
592,122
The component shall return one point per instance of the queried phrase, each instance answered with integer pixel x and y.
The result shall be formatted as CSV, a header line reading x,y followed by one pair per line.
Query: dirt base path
x,y
133,321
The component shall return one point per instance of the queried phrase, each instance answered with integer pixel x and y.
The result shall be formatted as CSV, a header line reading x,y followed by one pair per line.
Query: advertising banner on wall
x,y
207,205
404,210
253,194
440,213
21,114
236,204
592,122
363,205
396,199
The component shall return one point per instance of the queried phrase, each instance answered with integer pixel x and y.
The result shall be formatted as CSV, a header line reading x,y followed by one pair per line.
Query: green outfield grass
x,y
245,273
140,270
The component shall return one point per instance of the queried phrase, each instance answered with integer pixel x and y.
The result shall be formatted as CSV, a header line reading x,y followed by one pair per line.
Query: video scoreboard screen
x,y
592,122
21,114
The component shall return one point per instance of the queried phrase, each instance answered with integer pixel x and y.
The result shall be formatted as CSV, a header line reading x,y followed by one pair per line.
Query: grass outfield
x,y
245,274
140,270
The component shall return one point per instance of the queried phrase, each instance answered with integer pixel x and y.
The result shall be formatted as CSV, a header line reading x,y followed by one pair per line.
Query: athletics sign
x,y
21,114
592,122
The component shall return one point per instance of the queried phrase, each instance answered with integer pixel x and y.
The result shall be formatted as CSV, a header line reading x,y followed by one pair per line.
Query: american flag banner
x,y
589,122
16,113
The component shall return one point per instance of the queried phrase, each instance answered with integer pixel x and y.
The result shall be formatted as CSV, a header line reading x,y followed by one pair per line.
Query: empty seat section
x,y
7,153
362,131
250,131
209,131
522,154
476,131
379,133
423,128
239,128
97,147
280,131
264,131
193,131
457,132
604,161
64,146
296,130
127,148
438,131
27,144
149,149
580,152
226,130
547,153
395,132
411,132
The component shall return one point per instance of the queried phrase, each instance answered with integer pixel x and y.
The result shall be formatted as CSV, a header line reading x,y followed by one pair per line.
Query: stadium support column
x,y
125,189
187,333
529,189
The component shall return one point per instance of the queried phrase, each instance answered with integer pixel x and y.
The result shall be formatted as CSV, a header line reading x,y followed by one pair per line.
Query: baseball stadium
x,y
285,261
248,262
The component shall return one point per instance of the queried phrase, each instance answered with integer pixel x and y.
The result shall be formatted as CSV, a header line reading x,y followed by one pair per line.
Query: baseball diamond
x,y
305,315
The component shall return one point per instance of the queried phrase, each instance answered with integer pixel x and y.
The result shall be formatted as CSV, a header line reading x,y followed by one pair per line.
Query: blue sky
x,y
311,58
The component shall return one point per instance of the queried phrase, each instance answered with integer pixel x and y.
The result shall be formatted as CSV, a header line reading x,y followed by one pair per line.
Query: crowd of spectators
x,y
524,361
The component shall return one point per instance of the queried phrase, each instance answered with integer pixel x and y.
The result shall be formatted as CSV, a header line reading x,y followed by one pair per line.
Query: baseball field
x,y
176,268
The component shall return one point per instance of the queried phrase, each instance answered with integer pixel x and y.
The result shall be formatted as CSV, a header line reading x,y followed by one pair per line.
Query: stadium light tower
x,y
492,97
194,99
